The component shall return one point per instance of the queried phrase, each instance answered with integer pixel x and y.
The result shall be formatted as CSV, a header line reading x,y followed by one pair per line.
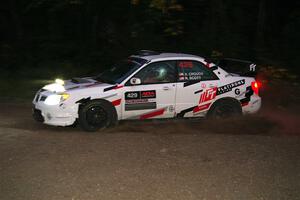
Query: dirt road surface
x,y
255,157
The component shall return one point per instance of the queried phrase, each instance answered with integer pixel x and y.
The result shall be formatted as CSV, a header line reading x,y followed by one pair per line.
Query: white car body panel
x,y
165,100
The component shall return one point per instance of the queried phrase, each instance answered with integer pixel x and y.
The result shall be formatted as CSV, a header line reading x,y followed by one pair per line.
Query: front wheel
x,y
225,108
96,115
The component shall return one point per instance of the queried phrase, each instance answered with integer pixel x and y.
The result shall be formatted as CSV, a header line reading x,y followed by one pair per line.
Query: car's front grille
x,y
37,98
43,98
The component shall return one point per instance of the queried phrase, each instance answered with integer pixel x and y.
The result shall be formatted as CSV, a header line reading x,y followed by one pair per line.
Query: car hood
x,y
75,84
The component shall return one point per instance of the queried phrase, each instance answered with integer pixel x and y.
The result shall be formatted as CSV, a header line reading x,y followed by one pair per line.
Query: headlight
x,y
55,99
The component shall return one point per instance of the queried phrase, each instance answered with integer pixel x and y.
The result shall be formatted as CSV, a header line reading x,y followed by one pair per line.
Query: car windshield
x,y
118,72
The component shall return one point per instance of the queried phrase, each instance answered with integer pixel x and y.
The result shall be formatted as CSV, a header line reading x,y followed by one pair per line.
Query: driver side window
x,y
158,72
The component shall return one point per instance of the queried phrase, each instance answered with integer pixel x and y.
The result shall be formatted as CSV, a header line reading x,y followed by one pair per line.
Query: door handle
x,y
166,88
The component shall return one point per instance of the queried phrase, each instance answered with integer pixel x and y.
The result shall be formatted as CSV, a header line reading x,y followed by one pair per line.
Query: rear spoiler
x,y
237,66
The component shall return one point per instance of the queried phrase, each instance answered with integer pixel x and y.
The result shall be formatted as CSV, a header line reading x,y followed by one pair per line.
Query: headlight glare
x,y
59,81
53,100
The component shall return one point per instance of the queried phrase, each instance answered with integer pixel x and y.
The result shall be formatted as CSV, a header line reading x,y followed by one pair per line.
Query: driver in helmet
x,y
156,75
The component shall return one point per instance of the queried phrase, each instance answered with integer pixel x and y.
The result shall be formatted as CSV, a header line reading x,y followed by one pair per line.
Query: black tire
x,y
225,108
96,115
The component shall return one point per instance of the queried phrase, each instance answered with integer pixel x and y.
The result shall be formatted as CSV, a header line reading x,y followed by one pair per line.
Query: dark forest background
x,y
45,38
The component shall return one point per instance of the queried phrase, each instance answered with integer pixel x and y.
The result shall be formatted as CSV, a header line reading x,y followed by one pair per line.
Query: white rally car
x,y
146,86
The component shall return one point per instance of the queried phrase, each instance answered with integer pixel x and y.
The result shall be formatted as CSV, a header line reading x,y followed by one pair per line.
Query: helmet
x,y
160,73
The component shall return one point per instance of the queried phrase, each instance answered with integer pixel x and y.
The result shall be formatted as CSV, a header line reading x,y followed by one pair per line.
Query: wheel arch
x,y
84,101
225,99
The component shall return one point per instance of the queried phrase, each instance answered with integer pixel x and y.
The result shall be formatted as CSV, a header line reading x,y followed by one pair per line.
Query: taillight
x,y
255,87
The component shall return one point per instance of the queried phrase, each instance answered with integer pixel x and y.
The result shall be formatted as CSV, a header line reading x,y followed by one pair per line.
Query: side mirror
x,y
135,81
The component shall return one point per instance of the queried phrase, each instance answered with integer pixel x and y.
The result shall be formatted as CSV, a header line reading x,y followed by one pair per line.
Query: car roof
x,y
158,56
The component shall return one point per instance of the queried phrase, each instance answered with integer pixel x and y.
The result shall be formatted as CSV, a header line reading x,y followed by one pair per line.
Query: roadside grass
x,y
20,90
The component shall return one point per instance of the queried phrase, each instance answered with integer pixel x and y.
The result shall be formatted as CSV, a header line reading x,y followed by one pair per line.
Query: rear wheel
x,y
225,108
96,115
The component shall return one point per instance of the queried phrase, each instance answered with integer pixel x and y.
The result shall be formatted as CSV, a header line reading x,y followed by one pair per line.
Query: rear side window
x,y
194,71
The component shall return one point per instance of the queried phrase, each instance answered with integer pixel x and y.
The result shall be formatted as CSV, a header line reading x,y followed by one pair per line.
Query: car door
x,y
154,97
196,88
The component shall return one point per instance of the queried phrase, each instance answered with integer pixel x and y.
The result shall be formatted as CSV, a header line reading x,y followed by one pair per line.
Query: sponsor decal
x,y
201,108
140,100
132,95
140,106
208,95
249,92
252,67
191,76
153,114
227,88
181,76
133,101
148,94
185,64
237,91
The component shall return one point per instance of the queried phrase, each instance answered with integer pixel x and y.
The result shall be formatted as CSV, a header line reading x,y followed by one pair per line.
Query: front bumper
x,y
37,115
57,115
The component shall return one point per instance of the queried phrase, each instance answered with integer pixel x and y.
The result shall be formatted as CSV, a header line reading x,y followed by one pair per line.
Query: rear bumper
x,y
253,106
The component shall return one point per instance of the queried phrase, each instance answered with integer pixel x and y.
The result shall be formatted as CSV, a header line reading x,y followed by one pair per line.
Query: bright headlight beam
x,y
53,100
59,81
55,87
56,99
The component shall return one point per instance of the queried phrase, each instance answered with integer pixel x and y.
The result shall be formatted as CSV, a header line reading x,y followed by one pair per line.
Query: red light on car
x,y
255,87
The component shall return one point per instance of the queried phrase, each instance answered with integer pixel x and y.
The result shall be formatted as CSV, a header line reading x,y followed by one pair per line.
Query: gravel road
x,y
255,157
